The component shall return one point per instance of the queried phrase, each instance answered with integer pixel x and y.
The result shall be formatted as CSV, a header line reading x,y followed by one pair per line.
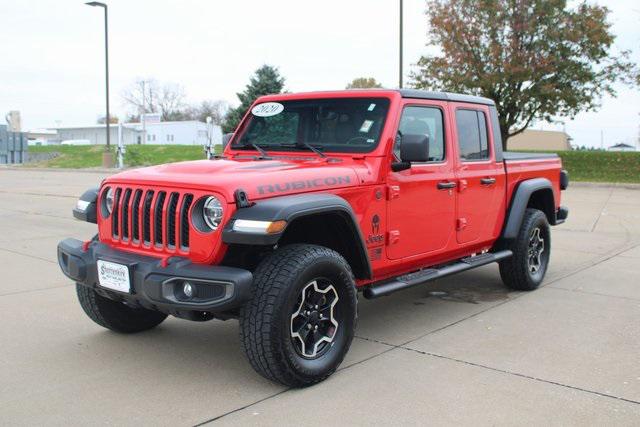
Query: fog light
x,y
188,290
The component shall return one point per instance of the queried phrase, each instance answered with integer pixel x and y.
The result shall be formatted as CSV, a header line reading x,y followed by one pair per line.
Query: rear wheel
x,y
301,319
116,315
526,269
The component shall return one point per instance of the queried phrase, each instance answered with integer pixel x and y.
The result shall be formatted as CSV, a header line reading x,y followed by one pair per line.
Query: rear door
x,y
421,206
480,177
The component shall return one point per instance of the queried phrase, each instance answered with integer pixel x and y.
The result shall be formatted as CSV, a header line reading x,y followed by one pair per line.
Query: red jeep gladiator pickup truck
x,y
317,196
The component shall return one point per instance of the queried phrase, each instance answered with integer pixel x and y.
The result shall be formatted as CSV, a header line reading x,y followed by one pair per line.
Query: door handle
x,y
488,181
446,185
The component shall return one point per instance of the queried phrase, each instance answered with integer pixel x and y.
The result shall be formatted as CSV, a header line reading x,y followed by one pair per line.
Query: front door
x,y
421,199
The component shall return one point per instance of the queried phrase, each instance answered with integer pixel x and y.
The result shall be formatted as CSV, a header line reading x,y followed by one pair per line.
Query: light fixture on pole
x,y
107,156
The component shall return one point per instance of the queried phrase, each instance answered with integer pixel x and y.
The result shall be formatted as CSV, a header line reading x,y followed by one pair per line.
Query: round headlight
x,y
212,212
109,200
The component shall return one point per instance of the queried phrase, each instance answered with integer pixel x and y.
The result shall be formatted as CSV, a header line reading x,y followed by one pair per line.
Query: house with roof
x,y
622,147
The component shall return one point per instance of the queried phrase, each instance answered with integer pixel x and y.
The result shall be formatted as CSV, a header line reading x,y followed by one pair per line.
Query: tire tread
x,y
258,317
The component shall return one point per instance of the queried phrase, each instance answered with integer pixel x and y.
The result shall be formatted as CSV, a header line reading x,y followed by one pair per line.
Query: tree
x,y
113,120
535,58
266,80
363,83
148,96
216,109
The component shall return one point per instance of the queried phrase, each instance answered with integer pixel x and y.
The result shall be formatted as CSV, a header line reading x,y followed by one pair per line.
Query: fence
x,y
13,146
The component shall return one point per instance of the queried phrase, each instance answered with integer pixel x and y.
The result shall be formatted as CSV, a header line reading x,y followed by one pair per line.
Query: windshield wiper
x,y
263,154
305,145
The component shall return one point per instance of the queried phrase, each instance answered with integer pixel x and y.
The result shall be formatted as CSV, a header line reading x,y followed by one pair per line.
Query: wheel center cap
x,y
313,317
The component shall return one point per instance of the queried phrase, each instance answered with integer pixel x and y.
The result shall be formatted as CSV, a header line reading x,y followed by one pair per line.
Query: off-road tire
x,y
514,271
115,315
265,321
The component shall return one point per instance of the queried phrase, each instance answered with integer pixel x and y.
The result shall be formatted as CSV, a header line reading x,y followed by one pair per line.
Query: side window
x,y
423,121
472,135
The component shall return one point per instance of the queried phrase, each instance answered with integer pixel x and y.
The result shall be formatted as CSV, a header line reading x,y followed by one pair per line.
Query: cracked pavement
x,y
462,350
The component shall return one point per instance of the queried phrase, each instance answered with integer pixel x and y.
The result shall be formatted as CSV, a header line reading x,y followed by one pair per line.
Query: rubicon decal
x,y
303,184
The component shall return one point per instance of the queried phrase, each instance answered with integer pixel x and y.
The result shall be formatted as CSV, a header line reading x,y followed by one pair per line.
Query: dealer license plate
x,y
114,276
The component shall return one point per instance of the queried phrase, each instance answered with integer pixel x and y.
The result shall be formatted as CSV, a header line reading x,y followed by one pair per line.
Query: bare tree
x,y
148,96
171,103
216,109
141,96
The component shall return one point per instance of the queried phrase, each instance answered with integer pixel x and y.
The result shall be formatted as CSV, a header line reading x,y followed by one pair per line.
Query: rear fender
x,y
538,189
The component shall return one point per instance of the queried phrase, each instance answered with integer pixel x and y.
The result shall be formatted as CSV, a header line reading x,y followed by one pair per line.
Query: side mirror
x,y
226,138
413,148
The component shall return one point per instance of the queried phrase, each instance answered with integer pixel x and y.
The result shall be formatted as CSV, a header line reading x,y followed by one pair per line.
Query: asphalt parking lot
x,y
464,350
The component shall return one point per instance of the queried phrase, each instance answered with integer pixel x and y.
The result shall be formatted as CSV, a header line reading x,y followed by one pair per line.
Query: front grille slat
x,y
184,220
158,218
149,218
115,218
146,217
135,216
125,209
172,208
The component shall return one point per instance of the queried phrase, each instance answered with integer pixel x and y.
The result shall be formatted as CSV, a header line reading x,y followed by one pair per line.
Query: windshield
x,y
339,125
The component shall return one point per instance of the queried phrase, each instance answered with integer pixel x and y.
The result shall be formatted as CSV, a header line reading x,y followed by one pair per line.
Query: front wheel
x,y
526,269
301,319
116,315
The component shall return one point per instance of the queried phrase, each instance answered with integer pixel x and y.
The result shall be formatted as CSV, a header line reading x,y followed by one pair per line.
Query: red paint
x,y
420,224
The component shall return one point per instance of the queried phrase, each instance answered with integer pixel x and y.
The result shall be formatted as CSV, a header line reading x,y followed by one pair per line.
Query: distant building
x,y
543,140
189,132
96,134
14,122
42,137
622,147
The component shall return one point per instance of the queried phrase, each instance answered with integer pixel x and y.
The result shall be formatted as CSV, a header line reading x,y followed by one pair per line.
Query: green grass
x,y
90,156
602,166
593,166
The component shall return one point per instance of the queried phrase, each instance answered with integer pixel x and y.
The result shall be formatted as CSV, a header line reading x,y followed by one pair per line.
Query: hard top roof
x,y
405,93
445,96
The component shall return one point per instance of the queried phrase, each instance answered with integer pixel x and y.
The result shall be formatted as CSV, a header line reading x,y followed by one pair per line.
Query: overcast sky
x,y
52,68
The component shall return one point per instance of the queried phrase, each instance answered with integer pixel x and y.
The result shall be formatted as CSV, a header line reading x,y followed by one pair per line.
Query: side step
x,y
430,274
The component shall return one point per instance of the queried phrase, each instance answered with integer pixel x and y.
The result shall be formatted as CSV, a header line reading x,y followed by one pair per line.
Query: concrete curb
x,y
64,170
582,184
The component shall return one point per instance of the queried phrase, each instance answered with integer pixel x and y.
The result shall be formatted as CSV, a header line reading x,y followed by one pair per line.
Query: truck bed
x,y
516,155
521,166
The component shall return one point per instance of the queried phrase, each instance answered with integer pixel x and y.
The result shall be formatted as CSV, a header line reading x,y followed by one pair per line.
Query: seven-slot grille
x,y
151,218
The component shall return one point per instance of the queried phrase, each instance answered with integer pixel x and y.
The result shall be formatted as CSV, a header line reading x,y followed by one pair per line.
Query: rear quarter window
x,y
472,135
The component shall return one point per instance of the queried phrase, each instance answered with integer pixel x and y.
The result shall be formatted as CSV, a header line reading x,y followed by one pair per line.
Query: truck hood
x,y
258,178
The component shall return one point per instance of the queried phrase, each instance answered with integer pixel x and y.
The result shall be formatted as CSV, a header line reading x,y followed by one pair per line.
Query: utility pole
x,y
107,158
143,114
400,64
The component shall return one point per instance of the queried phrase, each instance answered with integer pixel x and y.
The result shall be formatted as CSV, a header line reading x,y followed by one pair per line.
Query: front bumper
x,y
218,289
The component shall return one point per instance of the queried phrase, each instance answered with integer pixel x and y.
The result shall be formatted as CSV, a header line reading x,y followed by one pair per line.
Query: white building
x,y
190,132
97,135
622,147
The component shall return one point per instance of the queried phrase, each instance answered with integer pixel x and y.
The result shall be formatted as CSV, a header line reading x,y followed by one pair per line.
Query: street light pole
x,y
107,158
400,76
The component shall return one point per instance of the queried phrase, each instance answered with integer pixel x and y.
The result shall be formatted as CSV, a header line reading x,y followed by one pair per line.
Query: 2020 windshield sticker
x,y
267,109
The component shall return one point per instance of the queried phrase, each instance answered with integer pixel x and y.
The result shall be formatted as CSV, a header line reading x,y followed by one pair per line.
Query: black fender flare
x,y
86,208
290,208
519,203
